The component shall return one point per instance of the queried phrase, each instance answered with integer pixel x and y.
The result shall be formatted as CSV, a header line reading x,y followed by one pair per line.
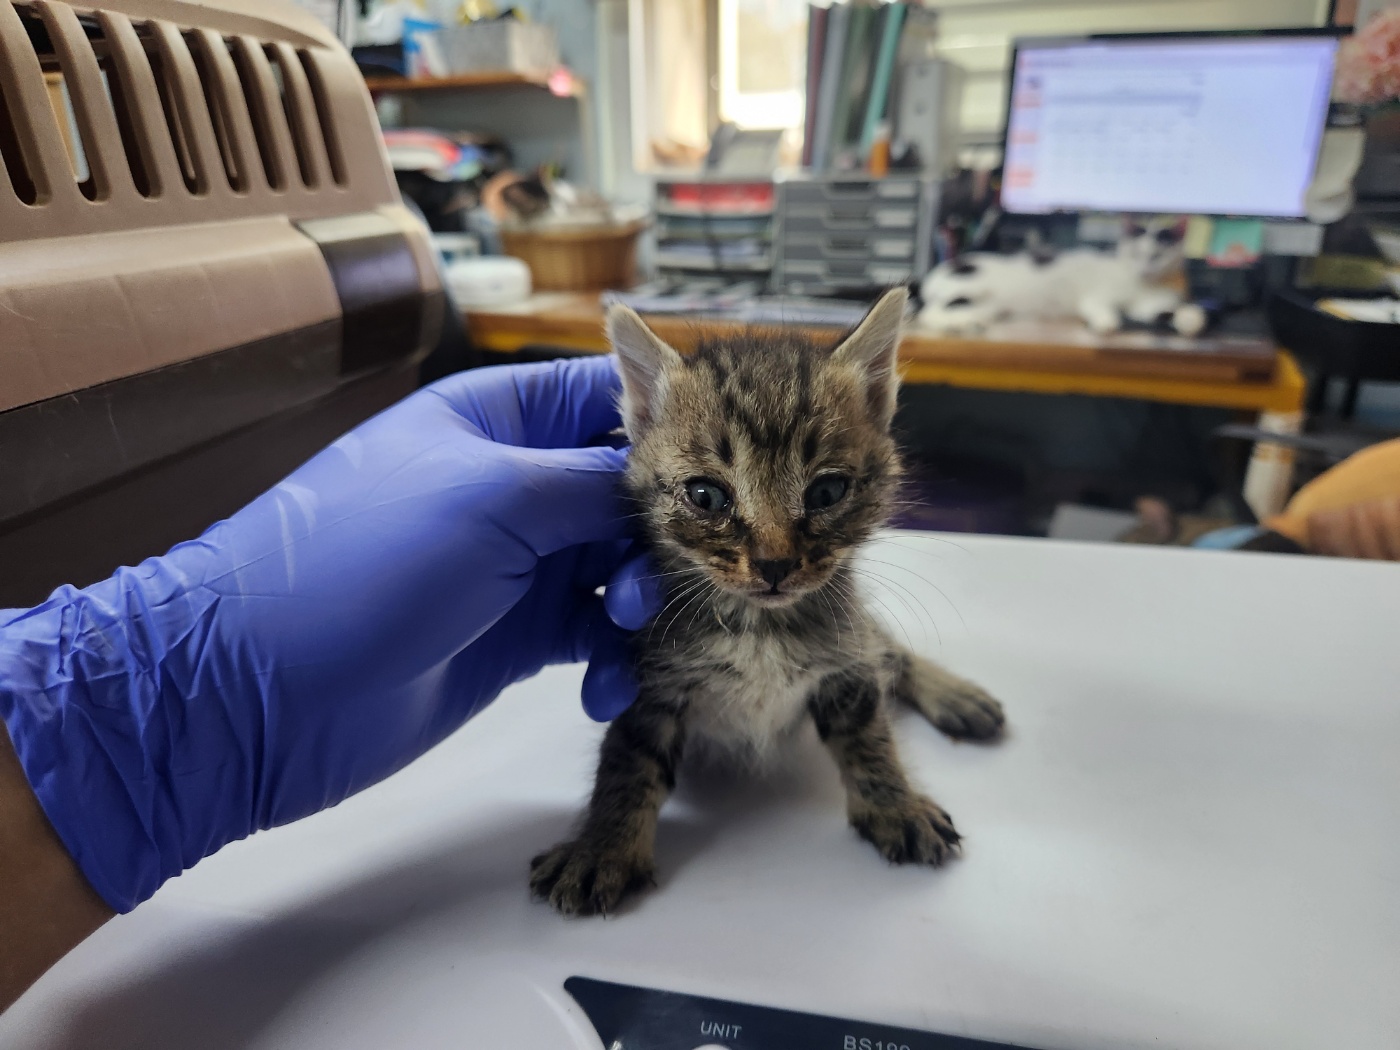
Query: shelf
x,y
561,83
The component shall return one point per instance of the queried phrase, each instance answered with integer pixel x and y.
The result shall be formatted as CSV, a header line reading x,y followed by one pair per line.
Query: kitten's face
x,y
762,461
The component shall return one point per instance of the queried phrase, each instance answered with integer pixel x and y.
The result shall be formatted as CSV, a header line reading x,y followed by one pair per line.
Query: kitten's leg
x,y
957,707
852,721
612,855
1100,315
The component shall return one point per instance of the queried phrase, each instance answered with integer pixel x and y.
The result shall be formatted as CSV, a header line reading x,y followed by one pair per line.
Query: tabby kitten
x,y
759,465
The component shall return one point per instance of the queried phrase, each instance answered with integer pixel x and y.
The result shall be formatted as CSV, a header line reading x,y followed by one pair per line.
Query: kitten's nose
x,y
775,571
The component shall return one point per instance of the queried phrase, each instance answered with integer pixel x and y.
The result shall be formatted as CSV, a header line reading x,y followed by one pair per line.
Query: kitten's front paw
x,y
967,712
584,878
912,831
958,708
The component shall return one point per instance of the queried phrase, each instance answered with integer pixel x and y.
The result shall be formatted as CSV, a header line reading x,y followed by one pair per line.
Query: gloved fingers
x,y
569,496
635,593
555,404
609,684
573,405
595,563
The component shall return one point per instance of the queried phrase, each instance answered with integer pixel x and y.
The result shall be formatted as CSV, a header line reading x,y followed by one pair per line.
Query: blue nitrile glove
x,y
334,629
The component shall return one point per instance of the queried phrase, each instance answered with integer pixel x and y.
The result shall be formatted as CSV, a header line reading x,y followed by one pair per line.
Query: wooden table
x,y
1242,374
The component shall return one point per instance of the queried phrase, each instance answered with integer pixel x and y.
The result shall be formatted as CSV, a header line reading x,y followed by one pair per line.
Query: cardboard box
x,y
505,45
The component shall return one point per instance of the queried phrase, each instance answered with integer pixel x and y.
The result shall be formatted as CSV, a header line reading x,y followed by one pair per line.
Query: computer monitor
x,y
1195,124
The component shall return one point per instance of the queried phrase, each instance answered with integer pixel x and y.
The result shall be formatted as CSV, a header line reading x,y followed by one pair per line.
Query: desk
x,y
1055,359
1187,840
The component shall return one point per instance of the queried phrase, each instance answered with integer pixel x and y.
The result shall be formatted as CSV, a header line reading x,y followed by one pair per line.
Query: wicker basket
x,y
576,259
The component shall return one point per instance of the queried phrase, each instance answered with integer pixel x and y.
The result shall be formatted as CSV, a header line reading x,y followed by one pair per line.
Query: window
x,y
762,62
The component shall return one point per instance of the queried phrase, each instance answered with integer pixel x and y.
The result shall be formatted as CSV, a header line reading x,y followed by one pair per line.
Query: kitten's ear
x,y
646,364
873,349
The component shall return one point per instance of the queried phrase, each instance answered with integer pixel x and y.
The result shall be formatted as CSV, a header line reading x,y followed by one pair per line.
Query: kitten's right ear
x,y
646,364
873,349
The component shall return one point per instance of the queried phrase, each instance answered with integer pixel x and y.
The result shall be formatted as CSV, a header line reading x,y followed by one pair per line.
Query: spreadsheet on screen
x,y
1209,127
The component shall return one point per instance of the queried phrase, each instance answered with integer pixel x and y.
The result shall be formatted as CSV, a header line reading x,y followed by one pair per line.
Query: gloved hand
x,y
334,629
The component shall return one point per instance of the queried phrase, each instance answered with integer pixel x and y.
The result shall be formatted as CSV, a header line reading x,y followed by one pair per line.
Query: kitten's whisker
x,y
908,642
925,580
915,607
832,608
907,597
690,588
698,610
844,603
890,536
674,572
699,593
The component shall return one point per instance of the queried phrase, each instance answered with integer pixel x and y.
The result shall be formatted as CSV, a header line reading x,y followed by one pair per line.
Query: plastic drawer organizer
x,y
852,234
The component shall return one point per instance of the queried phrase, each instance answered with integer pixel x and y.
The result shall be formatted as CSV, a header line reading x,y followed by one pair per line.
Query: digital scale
x,y
626,1016
1187,841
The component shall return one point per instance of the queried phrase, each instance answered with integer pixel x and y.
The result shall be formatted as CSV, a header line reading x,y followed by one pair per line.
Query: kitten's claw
x,y
914,831
580,878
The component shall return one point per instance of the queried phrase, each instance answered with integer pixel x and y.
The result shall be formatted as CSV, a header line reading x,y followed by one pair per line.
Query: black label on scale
x,y
631,1018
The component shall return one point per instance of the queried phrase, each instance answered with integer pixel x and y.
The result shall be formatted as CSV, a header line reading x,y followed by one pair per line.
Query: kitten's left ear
x,y
646,364
873,349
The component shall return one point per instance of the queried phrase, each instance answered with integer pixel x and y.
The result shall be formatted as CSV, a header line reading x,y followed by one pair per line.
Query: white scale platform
x,y
1190,839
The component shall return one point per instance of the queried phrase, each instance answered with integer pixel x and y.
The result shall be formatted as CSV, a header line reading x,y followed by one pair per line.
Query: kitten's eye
x,y
709,496
827,492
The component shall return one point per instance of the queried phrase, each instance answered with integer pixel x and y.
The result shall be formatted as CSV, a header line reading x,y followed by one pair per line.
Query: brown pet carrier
x,y
205,271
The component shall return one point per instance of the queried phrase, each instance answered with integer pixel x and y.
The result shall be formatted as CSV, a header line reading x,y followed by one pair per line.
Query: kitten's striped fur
x,y
763,626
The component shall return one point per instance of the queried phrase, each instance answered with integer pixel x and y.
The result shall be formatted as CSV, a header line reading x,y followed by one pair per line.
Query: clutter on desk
x,y
443,156
1368,71
487,281
445,173
572,239
739,302
1235,243
1372,311
576,257
1339,337
714,227
417,40
871,69
500,44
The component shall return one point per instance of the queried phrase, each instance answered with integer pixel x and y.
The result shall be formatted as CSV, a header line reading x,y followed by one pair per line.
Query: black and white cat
x,y
1103,289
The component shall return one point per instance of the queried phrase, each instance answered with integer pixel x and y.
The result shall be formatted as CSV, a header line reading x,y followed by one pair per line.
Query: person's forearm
x,y
46,906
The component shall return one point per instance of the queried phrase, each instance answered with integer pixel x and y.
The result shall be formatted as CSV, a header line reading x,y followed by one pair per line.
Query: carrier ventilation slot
x,y
177,110
75,133
322,100
283,75
247,62
13,162
121,96
219,104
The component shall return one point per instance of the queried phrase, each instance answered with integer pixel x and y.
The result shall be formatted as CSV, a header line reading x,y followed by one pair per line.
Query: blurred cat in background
x,y
1103,289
